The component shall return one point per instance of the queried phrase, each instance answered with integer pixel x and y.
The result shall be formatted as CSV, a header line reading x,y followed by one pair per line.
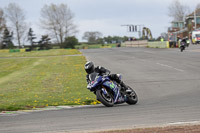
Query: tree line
x,y
56,20
96,37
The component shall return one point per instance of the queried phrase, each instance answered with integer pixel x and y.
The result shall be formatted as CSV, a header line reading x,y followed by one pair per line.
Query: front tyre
x,y
182,48
105,99
132,97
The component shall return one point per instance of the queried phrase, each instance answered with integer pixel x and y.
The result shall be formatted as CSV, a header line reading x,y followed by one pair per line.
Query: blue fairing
x,y
96,82
107,83
114,88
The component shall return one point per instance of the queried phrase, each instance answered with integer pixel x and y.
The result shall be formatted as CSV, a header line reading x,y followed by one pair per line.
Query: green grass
x,y
52,52
27,83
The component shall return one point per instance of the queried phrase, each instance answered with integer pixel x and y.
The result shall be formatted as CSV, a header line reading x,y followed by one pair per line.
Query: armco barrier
x,y
158,44
140,43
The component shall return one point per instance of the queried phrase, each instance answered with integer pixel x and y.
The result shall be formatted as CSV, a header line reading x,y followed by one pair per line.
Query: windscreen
x,y
92,76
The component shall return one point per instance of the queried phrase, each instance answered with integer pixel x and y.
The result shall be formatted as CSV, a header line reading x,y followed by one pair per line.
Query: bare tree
x,y
92,36
16,18
178,11
58,21
2,22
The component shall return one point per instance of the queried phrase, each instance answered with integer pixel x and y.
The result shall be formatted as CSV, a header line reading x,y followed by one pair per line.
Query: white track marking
x,y
164,65
180,70
184,123
149,52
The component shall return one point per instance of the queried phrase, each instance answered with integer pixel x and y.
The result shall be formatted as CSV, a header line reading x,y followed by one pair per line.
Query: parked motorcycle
x,y
109,92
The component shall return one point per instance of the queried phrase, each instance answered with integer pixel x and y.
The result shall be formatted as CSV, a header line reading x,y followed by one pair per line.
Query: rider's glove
x,y
89,87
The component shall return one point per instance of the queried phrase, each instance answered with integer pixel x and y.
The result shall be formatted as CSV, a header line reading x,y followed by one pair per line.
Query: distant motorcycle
x,y
182,46
109,92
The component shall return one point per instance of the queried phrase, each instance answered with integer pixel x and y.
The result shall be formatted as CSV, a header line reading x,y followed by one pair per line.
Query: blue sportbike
x,y
109,92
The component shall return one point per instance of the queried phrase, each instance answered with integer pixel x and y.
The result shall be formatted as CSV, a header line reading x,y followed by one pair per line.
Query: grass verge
x,y
27,83
52,52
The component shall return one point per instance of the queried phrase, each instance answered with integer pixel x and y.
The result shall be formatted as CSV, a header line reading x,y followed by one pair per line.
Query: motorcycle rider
x,y
184,40
90,70
187,41
183,44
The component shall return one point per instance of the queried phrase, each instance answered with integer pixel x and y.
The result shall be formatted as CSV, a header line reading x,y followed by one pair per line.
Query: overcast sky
x,y
106,16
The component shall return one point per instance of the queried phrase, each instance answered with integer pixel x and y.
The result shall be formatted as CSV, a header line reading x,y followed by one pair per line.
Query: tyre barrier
x,y
12,50
4,51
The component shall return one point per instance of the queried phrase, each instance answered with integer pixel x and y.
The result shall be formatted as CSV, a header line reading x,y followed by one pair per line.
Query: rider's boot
x,y
125,87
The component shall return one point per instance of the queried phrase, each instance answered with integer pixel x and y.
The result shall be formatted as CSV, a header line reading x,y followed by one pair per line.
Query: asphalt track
x,y
167,82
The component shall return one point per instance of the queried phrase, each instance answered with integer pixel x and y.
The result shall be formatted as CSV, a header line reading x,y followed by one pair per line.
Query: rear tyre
x,y
106,100
132,97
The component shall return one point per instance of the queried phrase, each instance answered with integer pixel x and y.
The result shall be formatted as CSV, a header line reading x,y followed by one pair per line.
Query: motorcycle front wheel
x,y
181,48
132,97
105,99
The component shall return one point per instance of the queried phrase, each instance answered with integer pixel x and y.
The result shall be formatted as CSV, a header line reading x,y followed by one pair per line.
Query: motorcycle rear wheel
x,y
106,100
132,98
